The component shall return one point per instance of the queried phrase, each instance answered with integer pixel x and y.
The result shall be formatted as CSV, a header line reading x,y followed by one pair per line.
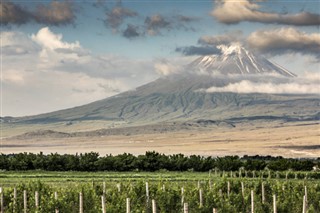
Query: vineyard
x,y
161,192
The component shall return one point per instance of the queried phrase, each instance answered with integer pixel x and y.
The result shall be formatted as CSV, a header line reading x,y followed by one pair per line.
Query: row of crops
x,y
220,194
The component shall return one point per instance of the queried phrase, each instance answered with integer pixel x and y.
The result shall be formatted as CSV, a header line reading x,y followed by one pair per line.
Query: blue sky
x,y
112,46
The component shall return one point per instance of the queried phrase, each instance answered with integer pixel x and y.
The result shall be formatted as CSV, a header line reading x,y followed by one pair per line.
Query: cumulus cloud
x,y
285,40
233,12
55,13
46,38
195,50
117,15
46,73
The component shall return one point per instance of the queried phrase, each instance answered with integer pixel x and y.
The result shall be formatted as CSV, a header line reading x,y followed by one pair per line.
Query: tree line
x,y
150,161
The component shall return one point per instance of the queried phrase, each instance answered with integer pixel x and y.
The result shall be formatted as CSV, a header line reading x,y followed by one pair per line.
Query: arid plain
x,y
294,139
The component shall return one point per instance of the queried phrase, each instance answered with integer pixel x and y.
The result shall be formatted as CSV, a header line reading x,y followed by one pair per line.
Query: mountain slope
x,y
235,59
178,98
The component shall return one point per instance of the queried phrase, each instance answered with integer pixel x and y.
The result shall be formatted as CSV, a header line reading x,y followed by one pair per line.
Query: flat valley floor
x,y
294,139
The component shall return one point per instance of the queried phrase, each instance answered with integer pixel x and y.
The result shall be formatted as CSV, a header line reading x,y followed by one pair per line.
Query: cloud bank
x,y
307,84
233,12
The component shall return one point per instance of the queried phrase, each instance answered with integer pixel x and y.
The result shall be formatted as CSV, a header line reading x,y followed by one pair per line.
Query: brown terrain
x,y
294,139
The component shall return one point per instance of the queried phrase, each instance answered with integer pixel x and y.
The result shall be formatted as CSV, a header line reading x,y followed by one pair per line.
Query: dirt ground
x,y
293,140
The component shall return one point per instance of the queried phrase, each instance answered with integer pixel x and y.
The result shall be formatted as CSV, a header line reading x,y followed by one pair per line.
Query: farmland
x,y
170,191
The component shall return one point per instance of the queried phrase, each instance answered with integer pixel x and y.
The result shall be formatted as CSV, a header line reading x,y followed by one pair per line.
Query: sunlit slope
x,y
181,97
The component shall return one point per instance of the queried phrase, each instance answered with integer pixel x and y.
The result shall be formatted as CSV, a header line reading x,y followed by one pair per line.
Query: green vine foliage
x,y
168,196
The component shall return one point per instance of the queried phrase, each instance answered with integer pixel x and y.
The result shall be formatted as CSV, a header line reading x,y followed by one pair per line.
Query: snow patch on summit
x,y
235,59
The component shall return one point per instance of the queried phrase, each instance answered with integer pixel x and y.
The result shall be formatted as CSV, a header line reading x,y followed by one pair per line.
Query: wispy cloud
x,y
224,39
233,12
154,24
116,17
131,31
165,67
157,24
196,50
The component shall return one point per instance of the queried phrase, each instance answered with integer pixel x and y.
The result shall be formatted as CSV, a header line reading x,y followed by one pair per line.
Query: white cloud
x,y
50,40
16,43
29,93
175,65
165,68
313,77
306,85
42,73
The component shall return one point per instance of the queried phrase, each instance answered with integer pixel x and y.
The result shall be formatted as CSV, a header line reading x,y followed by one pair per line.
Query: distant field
x,y
60,178
293,139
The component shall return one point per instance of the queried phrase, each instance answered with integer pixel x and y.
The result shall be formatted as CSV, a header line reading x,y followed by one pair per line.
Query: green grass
x,y
15,177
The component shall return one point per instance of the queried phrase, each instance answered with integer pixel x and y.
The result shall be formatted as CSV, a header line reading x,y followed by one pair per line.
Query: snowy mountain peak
x,y
235,48
235,59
